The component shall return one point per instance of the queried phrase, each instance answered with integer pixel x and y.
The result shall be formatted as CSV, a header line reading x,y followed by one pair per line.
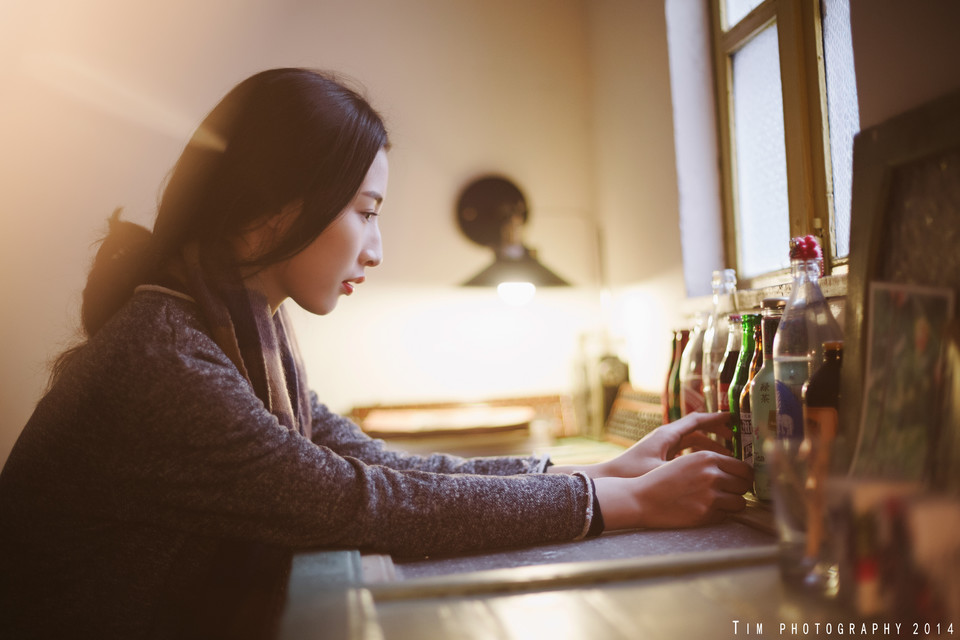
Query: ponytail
x,y
123,261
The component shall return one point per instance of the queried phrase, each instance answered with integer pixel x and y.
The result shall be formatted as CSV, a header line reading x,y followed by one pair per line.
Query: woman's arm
x,y
346,438
192,448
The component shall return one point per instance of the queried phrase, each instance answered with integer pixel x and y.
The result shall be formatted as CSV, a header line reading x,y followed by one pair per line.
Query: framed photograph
x,y
905,230
903,381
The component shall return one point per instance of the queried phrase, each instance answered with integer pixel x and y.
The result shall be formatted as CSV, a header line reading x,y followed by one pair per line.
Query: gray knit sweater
x,y
151,456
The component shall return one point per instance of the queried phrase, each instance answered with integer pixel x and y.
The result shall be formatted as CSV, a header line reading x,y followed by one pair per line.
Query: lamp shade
x,y
523,267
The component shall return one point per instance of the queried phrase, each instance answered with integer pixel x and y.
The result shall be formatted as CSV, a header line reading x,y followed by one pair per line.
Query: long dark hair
x,y
279,137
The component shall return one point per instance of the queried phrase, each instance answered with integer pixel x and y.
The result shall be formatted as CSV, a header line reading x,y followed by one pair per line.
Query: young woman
x,y
179,459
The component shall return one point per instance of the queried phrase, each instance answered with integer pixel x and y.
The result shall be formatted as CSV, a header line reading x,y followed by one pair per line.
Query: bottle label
x,y
723,397
746,437
691,396
789,413
764,428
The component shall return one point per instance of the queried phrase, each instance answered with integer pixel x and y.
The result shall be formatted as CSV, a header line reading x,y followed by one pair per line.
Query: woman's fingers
x,y
699,441
735,467
727,503
717,423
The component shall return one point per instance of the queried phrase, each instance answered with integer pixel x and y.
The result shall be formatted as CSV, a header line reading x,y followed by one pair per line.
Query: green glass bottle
x,y
749,322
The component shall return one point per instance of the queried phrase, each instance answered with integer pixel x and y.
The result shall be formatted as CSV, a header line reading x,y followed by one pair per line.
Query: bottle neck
x,y
833,355
749,327
769,324
734,336
724,284
805,270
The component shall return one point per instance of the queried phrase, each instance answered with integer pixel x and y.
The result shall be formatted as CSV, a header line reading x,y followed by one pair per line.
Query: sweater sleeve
x,y
346,438
198,451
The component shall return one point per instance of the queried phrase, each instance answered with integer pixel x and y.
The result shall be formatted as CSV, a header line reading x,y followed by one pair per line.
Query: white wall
x,y
99,97
636,181
905,54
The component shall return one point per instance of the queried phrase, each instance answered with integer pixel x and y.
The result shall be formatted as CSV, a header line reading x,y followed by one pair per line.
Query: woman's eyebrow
x,y
373,194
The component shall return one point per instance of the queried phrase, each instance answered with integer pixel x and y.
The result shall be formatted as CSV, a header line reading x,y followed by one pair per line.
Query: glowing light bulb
x,y
516,293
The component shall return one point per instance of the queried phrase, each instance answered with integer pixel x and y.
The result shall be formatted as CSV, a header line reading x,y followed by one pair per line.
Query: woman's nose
x,y
372,254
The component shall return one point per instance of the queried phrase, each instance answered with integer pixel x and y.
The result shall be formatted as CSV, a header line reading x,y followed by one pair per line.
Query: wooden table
x,y
720,581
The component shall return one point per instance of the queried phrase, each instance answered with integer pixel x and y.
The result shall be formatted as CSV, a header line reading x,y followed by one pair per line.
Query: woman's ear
x,y
280,222
265,234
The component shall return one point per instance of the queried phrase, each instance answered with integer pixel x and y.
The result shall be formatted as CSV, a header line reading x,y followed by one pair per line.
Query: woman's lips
x,y
346,287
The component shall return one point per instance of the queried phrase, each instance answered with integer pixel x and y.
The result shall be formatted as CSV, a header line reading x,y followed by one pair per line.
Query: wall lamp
x,y
491,212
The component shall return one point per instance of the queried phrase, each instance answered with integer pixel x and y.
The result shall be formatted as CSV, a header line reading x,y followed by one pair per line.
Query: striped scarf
x,y
258,342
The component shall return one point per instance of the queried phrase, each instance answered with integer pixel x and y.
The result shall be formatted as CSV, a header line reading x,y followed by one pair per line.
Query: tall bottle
x,y
763,401
691,371
715,335
673,386
821,403
749,321
806,324
665,397
729,365
747,429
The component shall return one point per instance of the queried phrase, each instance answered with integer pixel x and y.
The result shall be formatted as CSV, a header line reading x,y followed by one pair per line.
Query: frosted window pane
x,y
842,111
762,207
736,10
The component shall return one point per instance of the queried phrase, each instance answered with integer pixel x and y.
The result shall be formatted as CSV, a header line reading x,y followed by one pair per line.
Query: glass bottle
x,y
673,386
729,364
747,429
665,397
749,322
821,403
691,369
715,335
763,401
806,324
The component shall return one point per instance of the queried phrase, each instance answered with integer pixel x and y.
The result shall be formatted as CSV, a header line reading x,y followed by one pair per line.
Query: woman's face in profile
x,y
335,262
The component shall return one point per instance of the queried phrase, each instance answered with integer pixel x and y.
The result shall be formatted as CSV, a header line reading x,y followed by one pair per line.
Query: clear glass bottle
x,y
691,371
806,324
715,335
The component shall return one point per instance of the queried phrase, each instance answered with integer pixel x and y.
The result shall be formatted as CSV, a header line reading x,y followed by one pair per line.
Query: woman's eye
x,y
368,214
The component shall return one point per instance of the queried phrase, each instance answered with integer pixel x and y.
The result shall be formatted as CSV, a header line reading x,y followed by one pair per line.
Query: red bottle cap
x,y
805,248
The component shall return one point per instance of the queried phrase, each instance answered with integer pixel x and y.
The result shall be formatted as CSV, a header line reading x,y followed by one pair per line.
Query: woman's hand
x,y
662,445
699,488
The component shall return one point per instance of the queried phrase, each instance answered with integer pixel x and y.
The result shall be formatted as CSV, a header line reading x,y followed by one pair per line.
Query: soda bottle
x,y
665,398
673,386
730,356
763,401
715,335
806,324
747,428
821,403
821,400
749,321
691,371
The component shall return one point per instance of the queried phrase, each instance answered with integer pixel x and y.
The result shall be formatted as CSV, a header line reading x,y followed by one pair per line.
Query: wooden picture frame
x,y
905,227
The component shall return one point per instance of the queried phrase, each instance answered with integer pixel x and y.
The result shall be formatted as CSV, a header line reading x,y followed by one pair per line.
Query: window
x,y
787,108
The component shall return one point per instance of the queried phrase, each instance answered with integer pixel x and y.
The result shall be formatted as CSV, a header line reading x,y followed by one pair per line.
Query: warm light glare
x,y
516,293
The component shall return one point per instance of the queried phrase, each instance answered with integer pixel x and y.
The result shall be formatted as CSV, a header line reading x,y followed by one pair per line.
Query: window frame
x,y
806,129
